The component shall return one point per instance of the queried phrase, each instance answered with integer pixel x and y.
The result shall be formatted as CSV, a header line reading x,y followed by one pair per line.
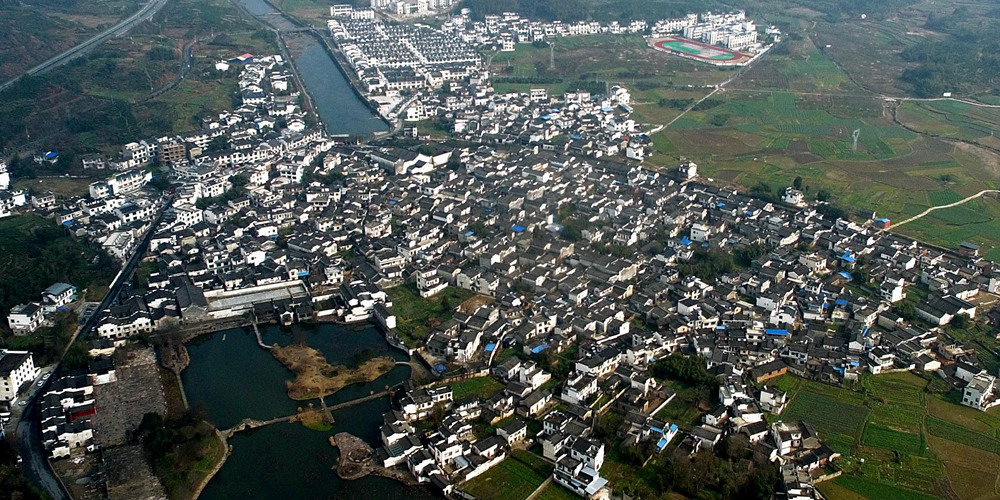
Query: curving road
x,y
145,13
35,464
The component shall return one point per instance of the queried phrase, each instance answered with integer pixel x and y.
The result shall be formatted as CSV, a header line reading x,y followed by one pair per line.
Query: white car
x,y
46,376
22,403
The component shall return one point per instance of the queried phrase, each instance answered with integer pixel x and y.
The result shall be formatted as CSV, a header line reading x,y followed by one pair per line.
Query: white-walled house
x,y
16,368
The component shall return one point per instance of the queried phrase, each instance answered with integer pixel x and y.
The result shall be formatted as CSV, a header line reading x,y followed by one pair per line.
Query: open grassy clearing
x,y
417,316
60,186
555,492
515,478
482,387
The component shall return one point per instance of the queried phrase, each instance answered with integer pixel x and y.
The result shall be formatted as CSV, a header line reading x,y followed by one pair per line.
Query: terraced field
x,y
900,438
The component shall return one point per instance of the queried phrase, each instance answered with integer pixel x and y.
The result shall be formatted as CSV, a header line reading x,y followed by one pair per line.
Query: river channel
x,y
231,378
339,107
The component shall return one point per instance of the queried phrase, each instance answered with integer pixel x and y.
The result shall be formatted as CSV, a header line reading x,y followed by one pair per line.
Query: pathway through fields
x,y
929,210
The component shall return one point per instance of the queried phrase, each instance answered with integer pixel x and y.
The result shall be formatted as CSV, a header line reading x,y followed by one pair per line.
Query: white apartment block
x,y
16,368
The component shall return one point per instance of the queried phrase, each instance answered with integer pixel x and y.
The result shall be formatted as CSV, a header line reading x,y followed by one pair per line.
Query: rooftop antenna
x,y
854,146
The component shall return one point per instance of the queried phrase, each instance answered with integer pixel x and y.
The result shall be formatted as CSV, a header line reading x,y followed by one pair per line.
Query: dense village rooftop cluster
x,y
570,250
389,59
403,66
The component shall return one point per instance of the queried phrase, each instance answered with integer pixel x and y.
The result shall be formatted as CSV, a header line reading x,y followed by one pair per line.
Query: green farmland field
x,y
899,437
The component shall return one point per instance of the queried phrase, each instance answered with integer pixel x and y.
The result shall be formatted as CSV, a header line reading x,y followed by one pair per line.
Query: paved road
x,y
145,13
35,465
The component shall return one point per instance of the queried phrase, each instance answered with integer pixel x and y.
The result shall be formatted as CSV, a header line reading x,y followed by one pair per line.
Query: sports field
x,y
700,51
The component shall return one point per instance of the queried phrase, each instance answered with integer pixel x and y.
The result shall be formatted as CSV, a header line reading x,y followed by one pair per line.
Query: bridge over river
x,y
250,423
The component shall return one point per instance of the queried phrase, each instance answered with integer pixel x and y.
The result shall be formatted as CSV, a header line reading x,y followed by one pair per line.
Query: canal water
x,y
340,108
231,378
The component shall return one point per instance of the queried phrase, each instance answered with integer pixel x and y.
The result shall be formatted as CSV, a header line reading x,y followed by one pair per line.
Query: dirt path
x,y
541,487
929,210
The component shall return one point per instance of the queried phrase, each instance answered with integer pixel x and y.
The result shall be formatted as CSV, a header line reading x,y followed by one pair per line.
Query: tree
x,y
239,180
823,195
688,369
960,321
797,183
906,310
218,143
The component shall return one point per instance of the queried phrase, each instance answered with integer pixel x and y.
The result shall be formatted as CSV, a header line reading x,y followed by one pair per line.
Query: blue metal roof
x,y
846,275
539,348
841,302
776,331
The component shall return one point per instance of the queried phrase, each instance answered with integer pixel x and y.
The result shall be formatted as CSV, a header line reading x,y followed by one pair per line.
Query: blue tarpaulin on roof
x,y
491,346
847,257
685,241
539,348
439,368
841,302
518,228
776,331
846,275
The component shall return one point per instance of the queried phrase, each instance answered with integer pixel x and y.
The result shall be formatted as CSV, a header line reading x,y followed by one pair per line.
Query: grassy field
x,y
417,316
686,408
60,186
838,415
515,478
556,492
977,221
901,438
483,387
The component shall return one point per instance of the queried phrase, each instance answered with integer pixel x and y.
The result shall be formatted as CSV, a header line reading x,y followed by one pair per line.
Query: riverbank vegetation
x,y
184,452
314,418
316,378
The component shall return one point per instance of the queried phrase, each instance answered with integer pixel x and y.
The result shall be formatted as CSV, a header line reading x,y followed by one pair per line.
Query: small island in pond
x,y
316,378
